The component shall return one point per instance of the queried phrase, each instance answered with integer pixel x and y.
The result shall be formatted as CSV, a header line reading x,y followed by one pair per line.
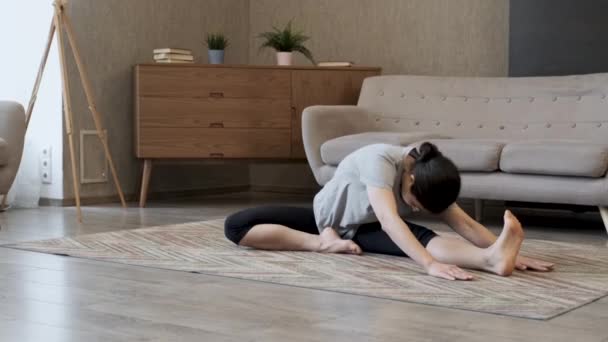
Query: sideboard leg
x,y
145,181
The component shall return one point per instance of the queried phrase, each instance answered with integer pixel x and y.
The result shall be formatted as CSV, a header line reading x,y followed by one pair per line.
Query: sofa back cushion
x,y
555,158
522,108
334,150
472,155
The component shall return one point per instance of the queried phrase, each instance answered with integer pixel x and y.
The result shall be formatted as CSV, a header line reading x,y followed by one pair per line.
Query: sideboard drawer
x,y
213,143
213,82
214,113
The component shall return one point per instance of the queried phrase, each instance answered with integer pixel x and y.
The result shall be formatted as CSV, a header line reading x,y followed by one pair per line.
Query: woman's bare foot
x,y
332,243
502,254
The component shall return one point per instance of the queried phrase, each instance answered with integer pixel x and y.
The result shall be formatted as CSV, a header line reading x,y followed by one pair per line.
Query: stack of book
x,y
170,55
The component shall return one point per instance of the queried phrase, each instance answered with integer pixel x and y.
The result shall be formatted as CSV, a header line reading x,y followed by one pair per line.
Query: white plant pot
x,y
284,58
216,56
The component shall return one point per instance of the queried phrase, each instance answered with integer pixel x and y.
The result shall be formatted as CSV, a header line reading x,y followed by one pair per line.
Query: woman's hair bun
x,y
427,151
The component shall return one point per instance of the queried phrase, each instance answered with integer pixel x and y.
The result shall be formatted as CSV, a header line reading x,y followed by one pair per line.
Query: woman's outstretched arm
x,y
467,227
385,208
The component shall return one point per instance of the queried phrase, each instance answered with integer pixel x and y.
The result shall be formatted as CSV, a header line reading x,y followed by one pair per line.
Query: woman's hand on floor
x,y
449,272
524,263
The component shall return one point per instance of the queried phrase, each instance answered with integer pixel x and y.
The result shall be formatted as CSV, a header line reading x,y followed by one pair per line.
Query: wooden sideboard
x,y
192,111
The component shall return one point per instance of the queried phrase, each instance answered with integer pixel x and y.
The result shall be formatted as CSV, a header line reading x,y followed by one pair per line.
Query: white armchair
x,y
12,134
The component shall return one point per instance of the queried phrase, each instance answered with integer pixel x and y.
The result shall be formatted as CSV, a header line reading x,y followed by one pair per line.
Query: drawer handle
x,y
216,155
216,125
216,94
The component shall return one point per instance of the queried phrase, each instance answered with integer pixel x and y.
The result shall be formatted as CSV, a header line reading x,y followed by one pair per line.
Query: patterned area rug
x,y
580,278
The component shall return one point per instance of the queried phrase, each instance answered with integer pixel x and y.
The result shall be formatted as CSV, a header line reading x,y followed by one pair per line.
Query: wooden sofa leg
x,y
604,213
478,209
3,203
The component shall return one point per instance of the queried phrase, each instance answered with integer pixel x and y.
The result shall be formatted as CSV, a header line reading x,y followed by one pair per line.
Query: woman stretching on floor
x,y
361,209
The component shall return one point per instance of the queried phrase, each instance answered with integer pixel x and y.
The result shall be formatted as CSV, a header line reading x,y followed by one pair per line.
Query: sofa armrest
x,y
323,123
12,130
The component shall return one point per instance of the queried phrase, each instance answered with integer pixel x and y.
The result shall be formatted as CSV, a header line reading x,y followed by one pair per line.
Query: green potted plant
x,y
286,41
217,43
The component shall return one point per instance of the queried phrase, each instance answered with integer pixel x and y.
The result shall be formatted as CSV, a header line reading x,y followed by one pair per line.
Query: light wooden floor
x,y
52,298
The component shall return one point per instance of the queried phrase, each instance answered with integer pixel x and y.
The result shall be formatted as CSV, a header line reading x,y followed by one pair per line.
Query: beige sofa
x,y
12,133
533,139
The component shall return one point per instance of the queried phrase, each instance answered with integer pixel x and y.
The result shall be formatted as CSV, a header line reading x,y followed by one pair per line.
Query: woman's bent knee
x,y
234,229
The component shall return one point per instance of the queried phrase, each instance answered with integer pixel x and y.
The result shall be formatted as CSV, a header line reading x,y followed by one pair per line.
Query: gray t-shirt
x,y
343,204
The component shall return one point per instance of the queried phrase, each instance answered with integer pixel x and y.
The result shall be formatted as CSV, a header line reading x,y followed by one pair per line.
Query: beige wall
x,y
114,35
430,37
439,37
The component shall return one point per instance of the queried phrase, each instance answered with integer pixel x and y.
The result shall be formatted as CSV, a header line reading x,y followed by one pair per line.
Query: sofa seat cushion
x,y
555,158
334,150
473,155
3,152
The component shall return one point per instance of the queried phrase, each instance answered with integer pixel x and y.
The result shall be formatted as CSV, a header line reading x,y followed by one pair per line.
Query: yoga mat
x,y
581,274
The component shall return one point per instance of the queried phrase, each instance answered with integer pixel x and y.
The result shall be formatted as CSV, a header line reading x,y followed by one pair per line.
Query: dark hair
x,y
436,179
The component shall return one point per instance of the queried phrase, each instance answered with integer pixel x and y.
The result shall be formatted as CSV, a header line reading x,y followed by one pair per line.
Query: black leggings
x,y
370,237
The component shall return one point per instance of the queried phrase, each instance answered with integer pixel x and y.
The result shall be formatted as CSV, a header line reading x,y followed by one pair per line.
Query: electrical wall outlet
x,y
45,165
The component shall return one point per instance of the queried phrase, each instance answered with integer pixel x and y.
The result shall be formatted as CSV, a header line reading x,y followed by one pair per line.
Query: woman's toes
x,y
355,249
